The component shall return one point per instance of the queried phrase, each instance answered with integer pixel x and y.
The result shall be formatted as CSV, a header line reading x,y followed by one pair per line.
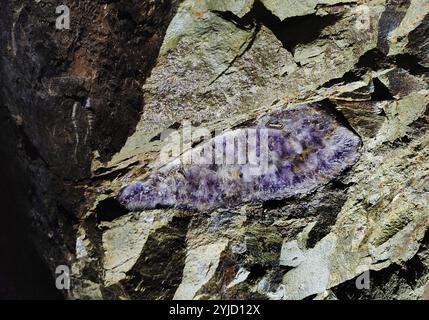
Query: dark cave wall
x,y
68,95
23,273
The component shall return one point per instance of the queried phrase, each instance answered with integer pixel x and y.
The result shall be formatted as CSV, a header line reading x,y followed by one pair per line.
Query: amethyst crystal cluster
x,y
288,152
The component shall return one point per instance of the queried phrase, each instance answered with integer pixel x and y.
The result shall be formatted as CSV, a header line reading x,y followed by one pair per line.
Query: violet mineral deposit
x,y
297,150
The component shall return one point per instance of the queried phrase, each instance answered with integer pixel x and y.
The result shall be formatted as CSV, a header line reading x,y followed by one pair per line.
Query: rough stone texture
x,y
197,272
294,8
74,96
89,107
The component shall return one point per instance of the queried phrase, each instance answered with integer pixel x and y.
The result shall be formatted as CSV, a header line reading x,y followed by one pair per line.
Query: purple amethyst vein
x,y
295,151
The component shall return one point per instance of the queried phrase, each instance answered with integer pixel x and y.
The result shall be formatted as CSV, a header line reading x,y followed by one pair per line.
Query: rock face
x,y
93,109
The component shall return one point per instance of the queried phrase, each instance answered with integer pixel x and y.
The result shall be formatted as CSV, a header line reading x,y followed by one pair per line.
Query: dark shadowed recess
x,y
381,92
23,274
390,20
291,31
123,64
158,272
109,210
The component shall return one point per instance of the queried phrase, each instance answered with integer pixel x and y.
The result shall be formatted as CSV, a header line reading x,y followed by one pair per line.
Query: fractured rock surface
x,y
91,107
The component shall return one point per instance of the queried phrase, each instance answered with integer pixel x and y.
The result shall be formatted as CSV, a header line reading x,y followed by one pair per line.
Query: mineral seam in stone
x,y
305,147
